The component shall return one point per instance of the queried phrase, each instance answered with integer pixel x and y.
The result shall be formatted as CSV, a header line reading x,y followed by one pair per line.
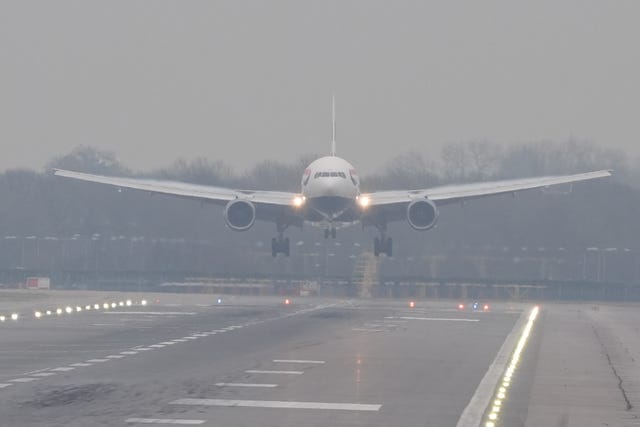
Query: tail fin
x,y
333,124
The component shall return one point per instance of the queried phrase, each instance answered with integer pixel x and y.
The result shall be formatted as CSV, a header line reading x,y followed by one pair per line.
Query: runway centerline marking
x,y
259,371
440,319
44,374
96,361
115,356
80,364
278,404
257,385
163,421
63,369
24,380
315,362
157,346
130,353
152,313
4,385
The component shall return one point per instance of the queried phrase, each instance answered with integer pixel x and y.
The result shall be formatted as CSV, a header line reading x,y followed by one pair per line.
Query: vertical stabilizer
x,y
333,124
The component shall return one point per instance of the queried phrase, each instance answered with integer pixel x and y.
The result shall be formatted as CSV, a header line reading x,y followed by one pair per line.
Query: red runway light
x,y
486,307
412,304
287,301
461,306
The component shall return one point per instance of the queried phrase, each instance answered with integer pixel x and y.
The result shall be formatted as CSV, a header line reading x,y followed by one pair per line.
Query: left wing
x,y
453,193
219,195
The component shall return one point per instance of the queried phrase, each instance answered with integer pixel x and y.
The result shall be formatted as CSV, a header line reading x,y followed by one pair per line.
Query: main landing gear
x,y
280,245
383,244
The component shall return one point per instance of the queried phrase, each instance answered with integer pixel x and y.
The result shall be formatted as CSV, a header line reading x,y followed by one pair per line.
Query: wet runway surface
x,y
248,362
257,362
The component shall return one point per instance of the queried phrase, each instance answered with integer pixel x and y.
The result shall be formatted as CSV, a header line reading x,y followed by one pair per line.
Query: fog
x,y
245,81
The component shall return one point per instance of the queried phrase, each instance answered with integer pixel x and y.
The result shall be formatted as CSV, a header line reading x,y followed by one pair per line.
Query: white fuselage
x,y
330,187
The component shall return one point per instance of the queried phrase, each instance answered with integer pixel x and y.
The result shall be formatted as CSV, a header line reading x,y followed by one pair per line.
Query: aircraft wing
x,y
453,193
194,191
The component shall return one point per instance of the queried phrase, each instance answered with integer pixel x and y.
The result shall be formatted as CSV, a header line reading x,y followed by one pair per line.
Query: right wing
x,y
193,191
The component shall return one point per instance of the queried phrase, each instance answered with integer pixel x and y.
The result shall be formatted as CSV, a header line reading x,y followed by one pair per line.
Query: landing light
x,y
68,309
37,314
363,201
143,302
219,300
412,304
287,301
298,201
14,316
2,318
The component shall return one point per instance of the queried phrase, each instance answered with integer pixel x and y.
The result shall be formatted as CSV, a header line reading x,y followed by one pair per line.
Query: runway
x,y
188,360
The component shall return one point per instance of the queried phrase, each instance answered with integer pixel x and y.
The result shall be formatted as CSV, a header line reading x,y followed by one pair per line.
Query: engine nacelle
x,y
240,215
422,214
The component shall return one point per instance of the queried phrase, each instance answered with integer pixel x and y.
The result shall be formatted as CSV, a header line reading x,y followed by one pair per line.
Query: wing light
x,y
298,201
363,201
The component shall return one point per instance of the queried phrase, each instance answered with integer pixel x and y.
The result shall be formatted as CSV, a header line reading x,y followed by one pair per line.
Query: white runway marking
x,y
115,356
278,404
472,414
4,385
24,380
152,313
168,343
178,340
163,421
80,364
257,371
441,319
367,330
63,369
97,360
246,385
316,362
199,335
44,374
130,353
142,349
157,346
188,338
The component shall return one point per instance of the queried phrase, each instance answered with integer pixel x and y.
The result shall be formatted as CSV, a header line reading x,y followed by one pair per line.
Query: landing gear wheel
x,y
280,246
389,247
383,246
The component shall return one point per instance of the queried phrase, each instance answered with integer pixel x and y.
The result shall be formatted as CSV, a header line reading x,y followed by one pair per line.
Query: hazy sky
x,y
248,80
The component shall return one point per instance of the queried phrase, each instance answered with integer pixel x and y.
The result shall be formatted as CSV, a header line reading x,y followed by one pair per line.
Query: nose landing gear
x,y
330,232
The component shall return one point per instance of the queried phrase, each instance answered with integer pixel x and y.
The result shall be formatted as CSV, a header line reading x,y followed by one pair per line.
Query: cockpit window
x,y
329,174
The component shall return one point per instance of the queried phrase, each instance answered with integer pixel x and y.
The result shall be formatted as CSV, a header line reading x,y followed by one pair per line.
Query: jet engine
x,y
240,215
422,214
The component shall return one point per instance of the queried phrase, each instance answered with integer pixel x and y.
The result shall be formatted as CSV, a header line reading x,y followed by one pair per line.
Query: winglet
x,y
333,124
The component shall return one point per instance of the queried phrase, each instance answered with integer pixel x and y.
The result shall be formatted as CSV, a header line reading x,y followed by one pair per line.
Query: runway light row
x,y
38,314
500,395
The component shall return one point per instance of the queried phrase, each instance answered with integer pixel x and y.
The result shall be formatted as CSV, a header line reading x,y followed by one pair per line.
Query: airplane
x,y
330,198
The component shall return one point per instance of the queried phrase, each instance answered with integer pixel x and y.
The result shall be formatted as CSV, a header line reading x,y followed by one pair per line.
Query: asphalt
x,y
250,361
